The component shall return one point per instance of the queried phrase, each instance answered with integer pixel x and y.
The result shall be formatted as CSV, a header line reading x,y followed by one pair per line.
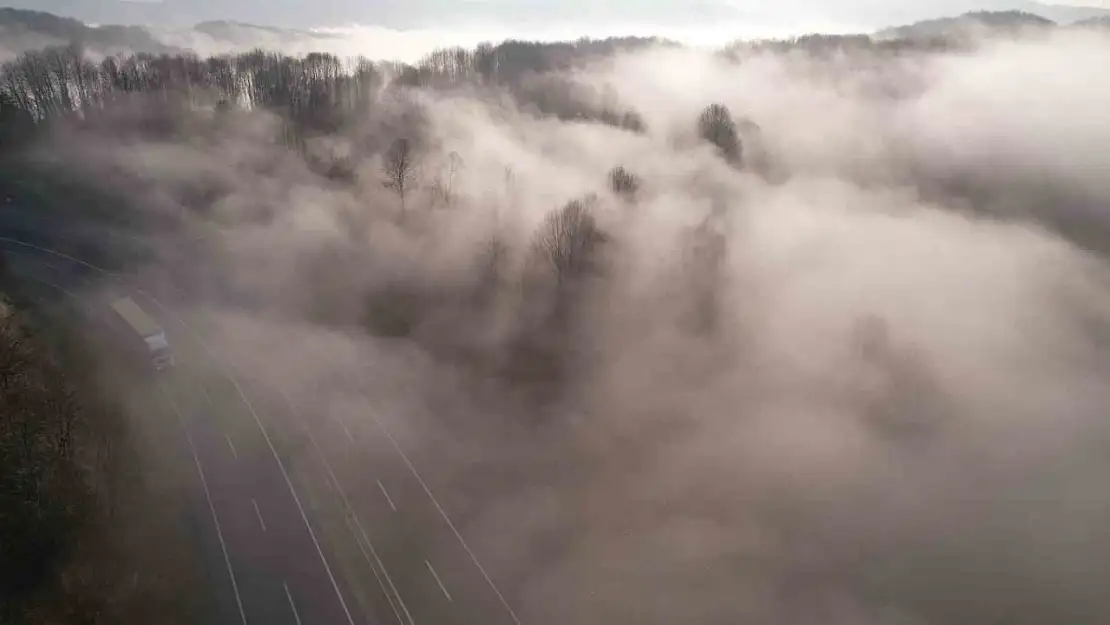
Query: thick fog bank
x,y
855,375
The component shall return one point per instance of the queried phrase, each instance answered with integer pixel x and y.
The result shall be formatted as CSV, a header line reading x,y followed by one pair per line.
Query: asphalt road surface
x,y
311,517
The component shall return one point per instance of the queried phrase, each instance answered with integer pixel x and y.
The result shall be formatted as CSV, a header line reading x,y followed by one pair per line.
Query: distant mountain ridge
x,y
1064,14
1095,22
231,30
989,23
970,25
417,14
23,30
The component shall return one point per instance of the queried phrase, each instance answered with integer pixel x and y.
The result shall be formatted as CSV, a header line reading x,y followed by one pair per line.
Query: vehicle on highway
x,y
147,329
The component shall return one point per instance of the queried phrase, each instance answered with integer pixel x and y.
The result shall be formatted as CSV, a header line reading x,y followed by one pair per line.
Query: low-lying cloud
x,y
878,399
412,44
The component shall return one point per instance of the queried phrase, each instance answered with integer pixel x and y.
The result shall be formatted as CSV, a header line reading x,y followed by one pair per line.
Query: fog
x,y
12,44
409,45
879,399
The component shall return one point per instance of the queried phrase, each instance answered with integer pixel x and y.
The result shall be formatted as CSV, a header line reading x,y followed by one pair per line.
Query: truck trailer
x,y
152,335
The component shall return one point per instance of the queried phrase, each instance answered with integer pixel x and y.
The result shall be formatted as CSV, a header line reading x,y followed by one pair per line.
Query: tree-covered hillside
x,y
22,31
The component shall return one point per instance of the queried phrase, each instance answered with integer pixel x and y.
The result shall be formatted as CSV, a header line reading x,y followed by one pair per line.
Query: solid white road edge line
x,y
353,514
370,563
387,498
292,605
208,497
438,581
258,513
443,514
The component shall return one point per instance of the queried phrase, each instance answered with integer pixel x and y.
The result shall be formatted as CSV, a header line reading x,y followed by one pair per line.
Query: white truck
x,y
152,335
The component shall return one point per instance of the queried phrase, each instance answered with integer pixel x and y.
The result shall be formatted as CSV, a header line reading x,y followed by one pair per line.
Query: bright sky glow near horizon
x,y
578,15
406,30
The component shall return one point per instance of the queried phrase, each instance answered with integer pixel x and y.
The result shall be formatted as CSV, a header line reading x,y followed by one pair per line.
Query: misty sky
x,y
753,17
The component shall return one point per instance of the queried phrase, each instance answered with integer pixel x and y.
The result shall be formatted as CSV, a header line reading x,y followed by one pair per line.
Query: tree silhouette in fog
x,y
715,125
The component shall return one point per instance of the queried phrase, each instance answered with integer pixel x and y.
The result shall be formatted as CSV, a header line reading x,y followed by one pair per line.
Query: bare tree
x,y
623,183
399,164
444,184
566,238
716,126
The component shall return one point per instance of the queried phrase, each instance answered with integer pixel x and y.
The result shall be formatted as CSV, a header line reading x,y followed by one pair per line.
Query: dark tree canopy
x,y
715,125
315,95
566,239
623,183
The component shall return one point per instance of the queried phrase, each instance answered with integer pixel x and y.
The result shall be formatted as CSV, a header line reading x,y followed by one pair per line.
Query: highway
x,y
311,515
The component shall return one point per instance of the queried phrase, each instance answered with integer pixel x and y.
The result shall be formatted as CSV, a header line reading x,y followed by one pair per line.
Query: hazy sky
x,y
749,17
